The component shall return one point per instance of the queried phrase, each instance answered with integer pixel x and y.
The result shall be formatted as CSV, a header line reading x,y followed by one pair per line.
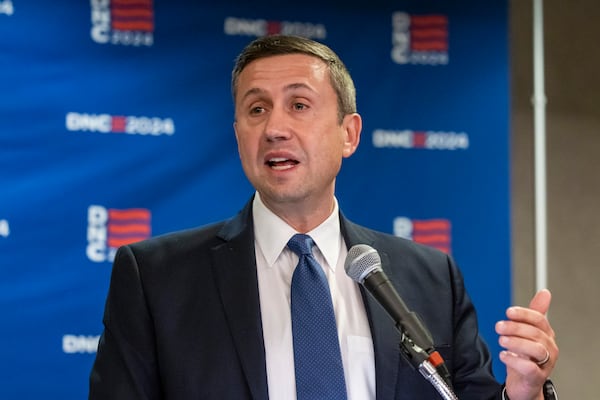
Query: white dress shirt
x,y
275,265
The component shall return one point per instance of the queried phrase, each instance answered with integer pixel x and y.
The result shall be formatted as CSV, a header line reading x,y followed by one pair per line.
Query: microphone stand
x,y
422,361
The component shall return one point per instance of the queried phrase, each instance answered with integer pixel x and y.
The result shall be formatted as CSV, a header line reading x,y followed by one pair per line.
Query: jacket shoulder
x,y
180,240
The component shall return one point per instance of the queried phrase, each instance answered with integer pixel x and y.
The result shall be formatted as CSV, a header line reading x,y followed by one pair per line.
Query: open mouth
x,y
281,163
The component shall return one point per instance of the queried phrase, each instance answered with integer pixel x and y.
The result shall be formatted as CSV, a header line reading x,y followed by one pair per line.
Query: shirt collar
x,y
272,233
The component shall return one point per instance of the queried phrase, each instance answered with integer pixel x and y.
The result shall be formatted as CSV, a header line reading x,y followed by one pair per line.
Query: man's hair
x,y
274,45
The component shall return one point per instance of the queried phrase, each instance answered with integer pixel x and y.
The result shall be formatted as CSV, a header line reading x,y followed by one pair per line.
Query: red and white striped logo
x,y
435,232
110,228
123,22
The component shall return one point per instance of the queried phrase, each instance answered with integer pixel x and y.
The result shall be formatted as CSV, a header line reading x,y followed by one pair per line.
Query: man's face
x,y
290,141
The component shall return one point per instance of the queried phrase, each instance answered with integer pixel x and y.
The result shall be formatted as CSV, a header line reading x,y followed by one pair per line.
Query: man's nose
x,y
277,126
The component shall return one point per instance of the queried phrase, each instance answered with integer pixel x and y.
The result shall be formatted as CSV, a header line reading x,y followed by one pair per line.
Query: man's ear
x,y
352,125
237,139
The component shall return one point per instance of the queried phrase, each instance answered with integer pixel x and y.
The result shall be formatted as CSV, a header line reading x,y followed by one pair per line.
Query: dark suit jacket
x,y
182,319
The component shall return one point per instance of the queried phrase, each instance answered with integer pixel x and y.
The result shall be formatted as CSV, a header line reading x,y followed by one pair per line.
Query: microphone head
x,y
361,261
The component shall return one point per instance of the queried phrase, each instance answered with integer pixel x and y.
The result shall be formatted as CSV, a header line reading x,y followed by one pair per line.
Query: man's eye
x,y
299,106
256,110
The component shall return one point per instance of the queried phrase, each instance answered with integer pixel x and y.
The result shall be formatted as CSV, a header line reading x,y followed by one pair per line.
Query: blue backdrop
x,y
116,125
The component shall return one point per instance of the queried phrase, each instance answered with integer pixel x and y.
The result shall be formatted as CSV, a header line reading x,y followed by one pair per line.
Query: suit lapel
x,y
234,264
386,339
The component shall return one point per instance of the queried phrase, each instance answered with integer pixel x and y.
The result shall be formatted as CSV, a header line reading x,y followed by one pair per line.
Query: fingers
x,y
522,366
530,348
526,322
527,349
527,336
541,301
545,360
535,315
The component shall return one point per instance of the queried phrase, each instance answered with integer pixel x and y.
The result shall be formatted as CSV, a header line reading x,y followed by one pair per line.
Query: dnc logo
x,y
109,229
419,39
125,22
105,123
261,27
431,232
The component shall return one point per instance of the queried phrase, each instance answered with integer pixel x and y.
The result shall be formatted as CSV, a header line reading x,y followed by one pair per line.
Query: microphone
x,y
363,265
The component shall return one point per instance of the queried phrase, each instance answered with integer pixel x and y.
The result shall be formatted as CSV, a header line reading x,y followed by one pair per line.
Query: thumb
x,y
541,301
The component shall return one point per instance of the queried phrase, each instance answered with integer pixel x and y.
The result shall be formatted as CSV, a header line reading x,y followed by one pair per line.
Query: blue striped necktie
x,y
317,357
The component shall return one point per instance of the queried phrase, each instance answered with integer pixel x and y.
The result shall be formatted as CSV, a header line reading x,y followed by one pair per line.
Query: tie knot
x,y
301,244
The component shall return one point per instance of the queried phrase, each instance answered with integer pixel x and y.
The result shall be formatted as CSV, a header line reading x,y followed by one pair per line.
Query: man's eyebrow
x,y
252,91
298,85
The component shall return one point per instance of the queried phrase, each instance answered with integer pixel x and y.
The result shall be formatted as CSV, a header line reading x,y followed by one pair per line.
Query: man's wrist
x,y
548,390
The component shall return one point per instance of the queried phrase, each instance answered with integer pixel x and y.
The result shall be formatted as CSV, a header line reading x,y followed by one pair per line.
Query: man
x,y
205,313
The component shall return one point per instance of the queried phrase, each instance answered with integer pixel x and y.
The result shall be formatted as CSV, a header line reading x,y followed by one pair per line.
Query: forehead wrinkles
x,y
301,69
259,92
